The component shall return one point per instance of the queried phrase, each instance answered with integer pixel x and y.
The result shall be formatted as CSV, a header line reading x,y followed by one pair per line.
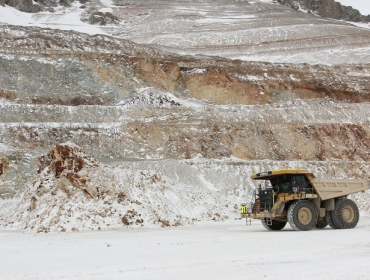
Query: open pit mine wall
x,y
42,80
128,134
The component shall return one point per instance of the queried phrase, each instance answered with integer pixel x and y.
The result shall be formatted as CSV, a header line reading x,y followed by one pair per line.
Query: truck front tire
x,y
302,215
275,225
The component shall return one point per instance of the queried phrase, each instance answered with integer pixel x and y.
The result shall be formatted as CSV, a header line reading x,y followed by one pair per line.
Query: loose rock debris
x,y
73,191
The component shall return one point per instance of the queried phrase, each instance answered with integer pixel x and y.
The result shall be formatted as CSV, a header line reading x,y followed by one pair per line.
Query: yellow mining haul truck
x,y
298,197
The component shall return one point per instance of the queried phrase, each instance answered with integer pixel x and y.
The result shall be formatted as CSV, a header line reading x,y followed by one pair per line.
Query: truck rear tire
x,y
329,220
302,215
275,225
345,214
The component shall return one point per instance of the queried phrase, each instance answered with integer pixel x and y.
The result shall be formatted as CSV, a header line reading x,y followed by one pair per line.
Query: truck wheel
x,y
275,225
329,220
346,214
321,223
302,215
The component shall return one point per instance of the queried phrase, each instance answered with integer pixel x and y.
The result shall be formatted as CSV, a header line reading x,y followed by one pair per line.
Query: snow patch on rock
x,y
153,97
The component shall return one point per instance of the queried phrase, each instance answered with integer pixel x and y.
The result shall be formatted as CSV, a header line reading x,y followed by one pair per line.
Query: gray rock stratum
x,y
63,67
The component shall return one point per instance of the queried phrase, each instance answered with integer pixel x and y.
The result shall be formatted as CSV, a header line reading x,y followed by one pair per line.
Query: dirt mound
x,y
73,191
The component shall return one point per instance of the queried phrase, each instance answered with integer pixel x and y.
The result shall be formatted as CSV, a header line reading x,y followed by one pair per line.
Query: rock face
x,y
36,6
100,70
24,5
327,8
332,9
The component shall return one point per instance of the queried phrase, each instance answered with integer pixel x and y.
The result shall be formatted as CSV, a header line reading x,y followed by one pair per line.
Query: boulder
x,y
330,9
100,18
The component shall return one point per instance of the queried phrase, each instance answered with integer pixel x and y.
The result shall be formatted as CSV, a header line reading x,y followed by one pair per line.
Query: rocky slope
x,y
258,30
199,122
324,8
246,30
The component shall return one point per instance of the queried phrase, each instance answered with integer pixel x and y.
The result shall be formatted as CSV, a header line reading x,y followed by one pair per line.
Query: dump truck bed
x,y
333,188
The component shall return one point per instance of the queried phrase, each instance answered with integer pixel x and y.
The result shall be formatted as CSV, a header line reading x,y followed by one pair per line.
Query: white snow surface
x,y
211,250
153,97
63,18
150,96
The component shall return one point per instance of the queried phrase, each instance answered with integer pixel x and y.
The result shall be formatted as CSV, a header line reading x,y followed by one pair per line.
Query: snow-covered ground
x,y
212,250
63,18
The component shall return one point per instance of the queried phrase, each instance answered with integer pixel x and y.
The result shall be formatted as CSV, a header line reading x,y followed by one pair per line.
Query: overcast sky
x,y
362,5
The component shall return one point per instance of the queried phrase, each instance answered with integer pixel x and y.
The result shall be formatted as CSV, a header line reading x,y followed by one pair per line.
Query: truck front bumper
x,y
260,215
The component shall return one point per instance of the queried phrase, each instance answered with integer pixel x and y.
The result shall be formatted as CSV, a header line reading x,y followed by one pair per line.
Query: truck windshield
x,y
289,183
